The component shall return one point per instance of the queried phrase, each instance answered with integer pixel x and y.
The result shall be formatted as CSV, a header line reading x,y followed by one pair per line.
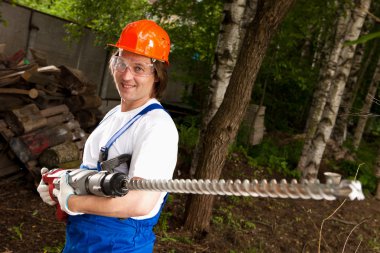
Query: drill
x,y
86,182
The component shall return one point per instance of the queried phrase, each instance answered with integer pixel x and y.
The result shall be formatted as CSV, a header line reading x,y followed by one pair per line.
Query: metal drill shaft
x,y
294,190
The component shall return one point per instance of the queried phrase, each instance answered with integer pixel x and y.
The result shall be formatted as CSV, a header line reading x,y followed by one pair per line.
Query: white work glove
x,y
43,190
64,193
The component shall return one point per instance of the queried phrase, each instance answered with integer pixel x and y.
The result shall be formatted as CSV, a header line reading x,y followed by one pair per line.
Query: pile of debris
x,y
46,114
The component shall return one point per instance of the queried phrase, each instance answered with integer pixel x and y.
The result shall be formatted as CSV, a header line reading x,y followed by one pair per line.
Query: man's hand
x,y
43,190
64,193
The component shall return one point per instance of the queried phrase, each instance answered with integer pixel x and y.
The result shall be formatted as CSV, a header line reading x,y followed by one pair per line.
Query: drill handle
x,y
51,178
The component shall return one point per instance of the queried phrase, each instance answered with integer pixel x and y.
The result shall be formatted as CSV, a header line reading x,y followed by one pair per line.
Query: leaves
x,y
363,39
17,230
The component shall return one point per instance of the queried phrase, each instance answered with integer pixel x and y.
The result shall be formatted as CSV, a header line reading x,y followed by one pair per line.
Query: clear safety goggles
x,y
120,64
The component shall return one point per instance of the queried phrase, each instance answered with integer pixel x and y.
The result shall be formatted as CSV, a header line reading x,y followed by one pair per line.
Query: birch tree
x,y
359,67
323,87
222,129
324,128
236,16
365,111
340,129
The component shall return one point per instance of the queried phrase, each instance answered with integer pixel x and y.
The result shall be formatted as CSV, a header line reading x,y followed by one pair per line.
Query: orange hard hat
x,y
146,38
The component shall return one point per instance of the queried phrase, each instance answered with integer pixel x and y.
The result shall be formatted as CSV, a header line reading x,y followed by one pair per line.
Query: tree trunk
x,y
326,77
354,81
367,107
325,126
231,34
237,14
340,128
222,129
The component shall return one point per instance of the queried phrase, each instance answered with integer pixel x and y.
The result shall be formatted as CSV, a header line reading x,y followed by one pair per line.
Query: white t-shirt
x,y
152,141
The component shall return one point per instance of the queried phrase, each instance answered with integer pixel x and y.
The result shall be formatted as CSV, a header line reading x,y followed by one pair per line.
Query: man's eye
x,y
121,65
139,69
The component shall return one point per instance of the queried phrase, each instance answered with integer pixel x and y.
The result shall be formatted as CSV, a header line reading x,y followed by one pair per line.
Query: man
x,y
124,224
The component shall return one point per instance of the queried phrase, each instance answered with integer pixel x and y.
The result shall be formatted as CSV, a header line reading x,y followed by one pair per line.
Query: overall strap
x,y
103,155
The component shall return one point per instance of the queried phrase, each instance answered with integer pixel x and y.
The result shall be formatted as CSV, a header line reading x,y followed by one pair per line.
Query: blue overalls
x,y
94,233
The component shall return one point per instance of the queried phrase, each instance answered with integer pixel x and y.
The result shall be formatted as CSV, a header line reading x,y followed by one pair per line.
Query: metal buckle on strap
x,y
111,164
103,154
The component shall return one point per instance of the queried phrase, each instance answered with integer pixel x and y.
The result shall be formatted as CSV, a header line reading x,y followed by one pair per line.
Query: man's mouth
x,y
127,86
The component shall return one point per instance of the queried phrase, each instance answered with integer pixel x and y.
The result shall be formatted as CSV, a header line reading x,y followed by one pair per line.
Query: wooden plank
x,y
73,80
62,153
45,101
38,78
54,110
9,102
32,93
29,146
59,119
25,119
46,69
9,81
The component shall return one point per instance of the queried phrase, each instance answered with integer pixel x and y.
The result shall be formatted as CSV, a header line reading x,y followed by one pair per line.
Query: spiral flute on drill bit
x,y
272,189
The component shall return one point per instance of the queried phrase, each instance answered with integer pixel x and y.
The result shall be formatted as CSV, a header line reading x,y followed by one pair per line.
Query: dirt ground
x,y
239,224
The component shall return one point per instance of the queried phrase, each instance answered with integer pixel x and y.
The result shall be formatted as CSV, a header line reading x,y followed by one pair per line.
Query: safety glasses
x,y
120,64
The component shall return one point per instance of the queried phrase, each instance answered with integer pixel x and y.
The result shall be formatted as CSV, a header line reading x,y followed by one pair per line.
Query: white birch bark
x,y
237,14
340,129
323,87
325,126
319,48
364,112
355,79
328,72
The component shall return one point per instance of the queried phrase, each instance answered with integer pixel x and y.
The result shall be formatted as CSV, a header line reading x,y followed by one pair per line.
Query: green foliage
x,y
106,18
275,157
365,173
163,224
51,7
362,166
17,230
364,38
53,249
198,20
193,27
374,244
225,216
188,131
290,69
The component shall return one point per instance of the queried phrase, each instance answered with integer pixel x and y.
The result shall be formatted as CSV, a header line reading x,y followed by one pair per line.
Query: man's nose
x,y
127,74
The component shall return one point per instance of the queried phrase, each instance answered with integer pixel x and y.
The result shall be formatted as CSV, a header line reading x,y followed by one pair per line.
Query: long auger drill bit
x,y
304,190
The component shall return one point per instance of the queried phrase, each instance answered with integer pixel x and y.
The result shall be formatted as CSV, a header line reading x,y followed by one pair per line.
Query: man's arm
x,y
135,203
